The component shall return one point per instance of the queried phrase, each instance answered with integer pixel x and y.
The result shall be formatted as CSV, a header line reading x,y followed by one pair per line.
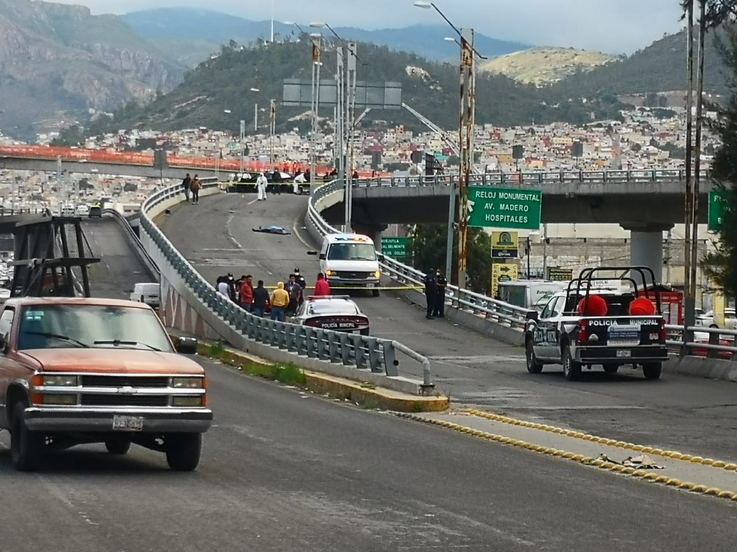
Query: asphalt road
x,y
120,267
678,413
283,471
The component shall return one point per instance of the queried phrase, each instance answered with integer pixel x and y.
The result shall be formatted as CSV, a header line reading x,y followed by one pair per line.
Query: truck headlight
x,y
377,274
188,401
329,273
60,381
189,383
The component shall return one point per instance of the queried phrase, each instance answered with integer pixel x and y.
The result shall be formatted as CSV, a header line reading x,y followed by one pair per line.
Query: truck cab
x,y
350,261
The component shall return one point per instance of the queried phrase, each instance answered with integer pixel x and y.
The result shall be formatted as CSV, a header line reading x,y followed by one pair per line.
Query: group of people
x,y
192,185
284,300
435,284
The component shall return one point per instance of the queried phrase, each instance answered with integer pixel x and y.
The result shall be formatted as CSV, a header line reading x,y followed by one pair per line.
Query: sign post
x,y
504,208
502,273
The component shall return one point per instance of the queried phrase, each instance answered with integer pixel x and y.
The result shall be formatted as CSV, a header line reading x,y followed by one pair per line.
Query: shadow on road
x,y
90,462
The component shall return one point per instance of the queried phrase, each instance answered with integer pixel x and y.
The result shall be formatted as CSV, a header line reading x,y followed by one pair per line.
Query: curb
x,y
364,394
603,440
578,458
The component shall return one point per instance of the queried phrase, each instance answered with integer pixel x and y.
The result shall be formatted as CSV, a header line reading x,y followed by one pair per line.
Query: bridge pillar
x,y
373,231
646,246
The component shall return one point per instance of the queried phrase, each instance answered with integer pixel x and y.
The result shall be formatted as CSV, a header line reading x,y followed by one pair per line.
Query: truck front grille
x,y
125,381
124,400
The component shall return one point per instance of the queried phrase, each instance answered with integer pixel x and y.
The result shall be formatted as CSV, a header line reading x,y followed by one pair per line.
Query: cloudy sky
x,y
612,26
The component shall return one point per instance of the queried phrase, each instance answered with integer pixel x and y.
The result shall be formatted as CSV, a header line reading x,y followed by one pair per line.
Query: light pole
x,y
272,127
346,88
466,128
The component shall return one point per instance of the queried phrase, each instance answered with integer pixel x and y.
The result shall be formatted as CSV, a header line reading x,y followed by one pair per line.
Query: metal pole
x,y
316,46
697,149
451,230
689,300
242,138
350,117
273,132
312,122
317,116
545,251
468,108
529,254
255,118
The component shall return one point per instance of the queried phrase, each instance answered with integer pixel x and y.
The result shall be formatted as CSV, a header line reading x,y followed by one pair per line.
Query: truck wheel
x,y
652,371
183,451
571,368
26,446
534,366
117,446
376,292
611,368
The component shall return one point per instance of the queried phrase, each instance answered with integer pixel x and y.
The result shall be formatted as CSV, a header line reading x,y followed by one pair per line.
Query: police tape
x,y
364,288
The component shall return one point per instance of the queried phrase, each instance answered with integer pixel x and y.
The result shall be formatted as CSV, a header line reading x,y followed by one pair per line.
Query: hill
x,y
221,84
58,61
207,30
546,65
658,68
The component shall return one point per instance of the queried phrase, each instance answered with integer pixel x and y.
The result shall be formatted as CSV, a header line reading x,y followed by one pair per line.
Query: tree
x,y
721,265
429,250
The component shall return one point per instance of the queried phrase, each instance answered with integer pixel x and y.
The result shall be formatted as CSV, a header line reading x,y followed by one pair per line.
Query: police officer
x,y
431,292
442,283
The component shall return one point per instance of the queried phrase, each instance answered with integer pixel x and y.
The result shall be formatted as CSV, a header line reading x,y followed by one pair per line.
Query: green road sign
x,y
395,247
717,204
504,208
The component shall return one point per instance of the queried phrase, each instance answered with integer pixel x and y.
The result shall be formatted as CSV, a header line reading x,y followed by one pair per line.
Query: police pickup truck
x,y
610,326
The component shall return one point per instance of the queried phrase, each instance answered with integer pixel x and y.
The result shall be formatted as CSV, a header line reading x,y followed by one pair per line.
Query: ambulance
x,y
349,261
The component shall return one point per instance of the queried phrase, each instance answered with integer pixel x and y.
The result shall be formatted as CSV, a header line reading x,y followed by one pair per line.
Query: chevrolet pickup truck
x,y
84,370
626,329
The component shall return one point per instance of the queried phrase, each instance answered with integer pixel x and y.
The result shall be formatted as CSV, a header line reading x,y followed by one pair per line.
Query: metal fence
x,y
720,342
533,178
380,356
136,241
493,310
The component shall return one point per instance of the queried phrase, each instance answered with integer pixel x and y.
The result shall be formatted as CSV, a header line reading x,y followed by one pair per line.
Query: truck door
x,y
546,332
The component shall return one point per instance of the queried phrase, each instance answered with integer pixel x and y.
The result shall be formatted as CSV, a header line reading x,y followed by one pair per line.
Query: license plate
x,y
370,285
127,423
624,354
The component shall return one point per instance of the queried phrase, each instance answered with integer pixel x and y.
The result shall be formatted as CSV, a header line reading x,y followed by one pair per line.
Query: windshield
x,y
352,252
333,307
105,327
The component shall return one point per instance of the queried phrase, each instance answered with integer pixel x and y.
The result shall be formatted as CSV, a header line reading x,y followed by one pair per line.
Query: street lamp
x,y
272,126
465,136
346,87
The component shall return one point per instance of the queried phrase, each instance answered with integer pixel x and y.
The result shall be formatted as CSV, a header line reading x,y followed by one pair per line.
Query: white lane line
x,y
230,234
252,201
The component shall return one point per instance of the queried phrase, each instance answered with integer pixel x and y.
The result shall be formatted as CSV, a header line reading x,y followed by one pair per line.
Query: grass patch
x,y
418,407
283,373
370,405
217,350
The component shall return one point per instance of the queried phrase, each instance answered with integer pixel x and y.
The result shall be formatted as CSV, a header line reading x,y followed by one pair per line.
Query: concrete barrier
x,y
708,368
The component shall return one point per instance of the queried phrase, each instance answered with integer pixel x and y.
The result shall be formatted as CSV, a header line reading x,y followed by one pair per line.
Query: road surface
x,y
677,413
283,471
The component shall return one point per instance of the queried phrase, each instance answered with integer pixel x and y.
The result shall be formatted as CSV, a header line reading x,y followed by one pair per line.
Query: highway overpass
x,y
645,202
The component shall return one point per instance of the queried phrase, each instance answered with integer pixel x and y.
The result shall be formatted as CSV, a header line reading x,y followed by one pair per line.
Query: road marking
x,y
230,234
253,201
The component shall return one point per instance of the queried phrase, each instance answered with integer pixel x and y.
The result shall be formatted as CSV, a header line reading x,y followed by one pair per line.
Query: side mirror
x,y
187,346
322,256
532,315
312,252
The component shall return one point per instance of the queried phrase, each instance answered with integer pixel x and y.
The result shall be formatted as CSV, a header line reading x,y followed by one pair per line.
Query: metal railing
x,y
533,178
136,241
475,303
374,354
11,211
721,342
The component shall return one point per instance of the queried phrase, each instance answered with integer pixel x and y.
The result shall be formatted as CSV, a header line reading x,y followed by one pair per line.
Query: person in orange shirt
x,y
322,288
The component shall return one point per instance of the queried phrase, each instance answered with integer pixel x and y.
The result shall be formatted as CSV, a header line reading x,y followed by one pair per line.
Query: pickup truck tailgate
x,y
624,331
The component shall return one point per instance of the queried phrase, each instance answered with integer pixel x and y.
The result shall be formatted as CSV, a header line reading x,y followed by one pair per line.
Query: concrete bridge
x,y
645,202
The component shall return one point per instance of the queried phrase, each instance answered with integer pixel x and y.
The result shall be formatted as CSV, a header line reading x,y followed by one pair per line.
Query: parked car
x,y
334,312
95,211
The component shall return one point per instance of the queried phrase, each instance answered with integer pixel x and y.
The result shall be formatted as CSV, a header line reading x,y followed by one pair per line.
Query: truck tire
x,y
652,370
26,446
534,366
376,292
118,447
183,451
571,368
611,368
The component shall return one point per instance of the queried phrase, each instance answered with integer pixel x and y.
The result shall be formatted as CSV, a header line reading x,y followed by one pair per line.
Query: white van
x,y
149,293
68,211
349,260
529,294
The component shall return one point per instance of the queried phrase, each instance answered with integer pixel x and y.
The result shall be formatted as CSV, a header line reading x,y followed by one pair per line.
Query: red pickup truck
x,y
83,370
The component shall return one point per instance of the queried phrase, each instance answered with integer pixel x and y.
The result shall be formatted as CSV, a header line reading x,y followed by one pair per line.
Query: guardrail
x,y
721,343
140,249
493,310
9,212
376,355
532,178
